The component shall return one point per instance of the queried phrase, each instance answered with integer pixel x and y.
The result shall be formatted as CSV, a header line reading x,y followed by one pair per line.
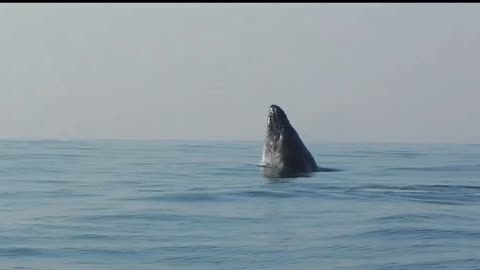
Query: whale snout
x,y
277,117
274,107
276,111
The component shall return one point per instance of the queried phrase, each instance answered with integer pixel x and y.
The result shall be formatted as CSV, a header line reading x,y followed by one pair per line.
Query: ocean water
x,y
205,205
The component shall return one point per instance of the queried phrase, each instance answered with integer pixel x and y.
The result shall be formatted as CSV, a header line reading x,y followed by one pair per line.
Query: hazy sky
x,y
342,72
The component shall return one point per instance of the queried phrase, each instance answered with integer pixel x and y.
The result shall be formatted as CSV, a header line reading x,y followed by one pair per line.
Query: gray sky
x,y
342,72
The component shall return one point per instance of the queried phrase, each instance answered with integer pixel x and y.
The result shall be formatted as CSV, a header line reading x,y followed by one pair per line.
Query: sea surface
x,y
206,205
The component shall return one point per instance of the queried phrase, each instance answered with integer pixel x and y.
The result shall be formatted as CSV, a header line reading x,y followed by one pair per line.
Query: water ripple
x,y
205,205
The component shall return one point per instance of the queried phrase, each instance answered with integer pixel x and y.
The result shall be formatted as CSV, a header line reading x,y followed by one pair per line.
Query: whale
x,y
284,153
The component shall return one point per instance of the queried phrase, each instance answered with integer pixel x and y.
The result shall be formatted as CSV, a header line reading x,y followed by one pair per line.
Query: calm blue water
x,y
205,205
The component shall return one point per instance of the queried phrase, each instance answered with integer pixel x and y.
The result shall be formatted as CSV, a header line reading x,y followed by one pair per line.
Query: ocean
x,y
206,205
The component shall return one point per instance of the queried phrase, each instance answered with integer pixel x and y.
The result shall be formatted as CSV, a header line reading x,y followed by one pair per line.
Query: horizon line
x,y
10,139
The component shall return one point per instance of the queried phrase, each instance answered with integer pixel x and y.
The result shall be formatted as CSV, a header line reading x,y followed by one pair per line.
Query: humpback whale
x,y
284,153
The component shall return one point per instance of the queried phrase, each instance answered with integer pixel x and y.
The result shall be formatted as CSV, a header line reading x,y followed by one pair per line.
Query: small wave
x,y
183,197
130,216
189,146
93,236
474,167
21,251
134,218
193,197
419,233
436,194
47,181
218,196
393,153
229,171
101,251
420,217
39,156
263,194
197,189
342,155
422,188
67,193
141,163
437,264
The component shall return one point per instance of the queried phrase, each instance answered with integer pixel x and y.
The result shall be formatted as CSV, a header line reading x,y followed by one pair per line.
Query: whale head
x,y
284,151
277,123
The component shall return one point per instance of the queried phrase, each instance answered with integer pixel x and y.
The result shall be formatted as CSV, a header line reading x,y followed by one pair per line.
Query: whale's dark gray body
x,y
284,153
